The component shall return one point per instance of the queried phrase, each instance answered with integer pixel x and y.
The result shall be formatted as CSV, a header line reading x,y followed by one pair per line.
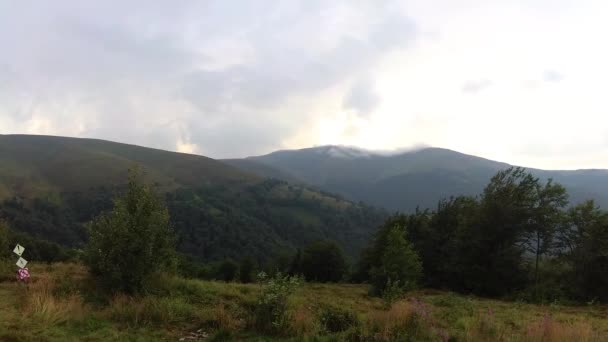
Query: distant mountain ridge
x,y
404,180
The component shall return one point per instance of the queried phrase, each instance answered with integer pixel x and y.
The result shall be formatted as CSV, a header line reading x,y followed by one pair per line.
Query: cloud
x,y
475,86
552,76
362,98
214,76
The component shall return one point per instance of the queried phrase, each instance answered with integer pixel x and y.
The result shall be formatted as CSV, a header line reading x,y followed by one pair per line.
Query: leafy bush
x,y
133,241
392,292
336,319
271,310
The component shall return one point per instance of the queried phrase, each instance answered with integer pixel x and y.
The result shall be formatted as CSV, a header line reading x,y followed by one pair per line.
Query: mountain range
x,y
263,206
406,180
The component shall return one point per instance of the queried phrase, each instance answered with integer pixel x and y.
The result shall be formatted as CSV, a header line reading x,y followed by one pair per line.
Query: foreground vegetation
x,y
517,240
63,304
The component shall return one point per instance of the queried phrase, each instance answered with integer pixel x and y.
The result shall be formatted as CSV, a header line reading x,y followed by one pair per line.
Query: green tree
x,y
545,217
441,240
133,241
323,261
296,264
400,265
583,243
228,270
4,240
493,250
246,270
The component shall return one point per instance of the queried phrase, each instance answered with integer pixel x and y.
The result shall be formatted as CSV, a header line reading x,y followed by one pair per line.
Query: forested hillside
x,y
52,186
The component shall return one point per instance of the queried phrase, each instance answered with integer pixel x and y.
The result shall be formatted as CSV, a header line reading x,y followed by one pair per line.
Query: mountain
x,y
37,165
50,187
261,169
408,179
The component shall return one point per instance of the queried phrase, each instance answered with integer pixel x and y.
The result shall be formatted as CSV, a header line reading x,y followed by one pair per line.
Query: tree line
x,y
519,238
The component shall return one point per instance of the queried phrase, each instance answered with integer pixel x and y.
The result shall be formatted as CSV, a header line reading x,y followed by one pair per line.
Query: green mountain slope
x,y
260,169
406,180
51,186
35,165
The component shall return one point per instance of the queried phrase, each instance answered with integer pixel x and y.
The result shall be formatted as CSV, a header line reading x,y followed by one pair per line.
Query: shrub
x,y
336,319
393,291
133,241
271,310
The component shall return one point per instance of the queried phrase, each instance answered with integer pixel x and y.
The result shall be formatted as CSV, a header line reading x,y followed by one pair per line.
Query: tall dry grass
x,y
40,303
485,327
226,319
304,322
405,320
550,330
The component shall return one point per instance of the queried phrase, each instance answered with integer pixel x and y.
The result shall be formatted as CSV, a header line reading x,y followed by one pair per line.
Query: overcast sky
x,y
522,82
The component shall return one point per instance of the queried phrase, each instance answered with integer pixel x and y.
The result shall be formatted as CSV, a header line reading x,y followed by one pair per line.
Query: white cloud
x,y
517,81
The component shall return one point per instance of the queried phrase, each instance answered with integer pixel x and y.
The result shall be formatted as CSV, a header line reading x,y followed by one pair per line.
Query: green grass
x,y
63,304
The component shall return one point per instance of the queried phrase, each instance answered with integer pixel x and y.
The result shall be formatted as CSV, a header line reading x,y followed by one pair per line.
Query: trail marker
x,y
23,274
19,250
21,262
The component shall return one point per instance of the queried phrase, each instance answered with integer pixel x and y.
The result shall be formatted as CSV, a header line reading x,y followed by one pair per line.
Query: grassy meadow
x,y
63,304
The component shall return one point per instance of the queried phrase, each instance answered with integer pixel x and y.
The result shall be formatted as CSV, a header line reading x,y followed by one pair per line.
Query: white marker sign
x,y
18,249
21,262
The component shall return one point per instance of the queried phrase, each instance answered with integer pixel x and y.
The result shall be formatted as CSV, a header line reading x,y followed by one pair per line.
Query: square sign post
x,y
23,274
19,250
21,262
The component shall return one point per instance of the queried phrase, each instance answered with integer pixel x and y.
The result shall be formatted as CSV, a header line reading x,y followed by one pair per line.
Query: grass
x,y
63,304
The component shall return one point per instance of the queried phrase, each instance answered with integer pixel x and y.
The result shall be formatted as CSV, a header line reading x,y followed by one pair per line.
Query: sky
x,y
522,82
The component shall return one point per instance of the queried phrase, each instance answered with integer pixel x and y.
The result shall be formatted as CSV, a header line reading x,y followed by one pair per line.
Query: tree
x,y
400,264
246,270
296,264
323,261
4,240
545,217
442,240
494,253
583,243
133,241
228,270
